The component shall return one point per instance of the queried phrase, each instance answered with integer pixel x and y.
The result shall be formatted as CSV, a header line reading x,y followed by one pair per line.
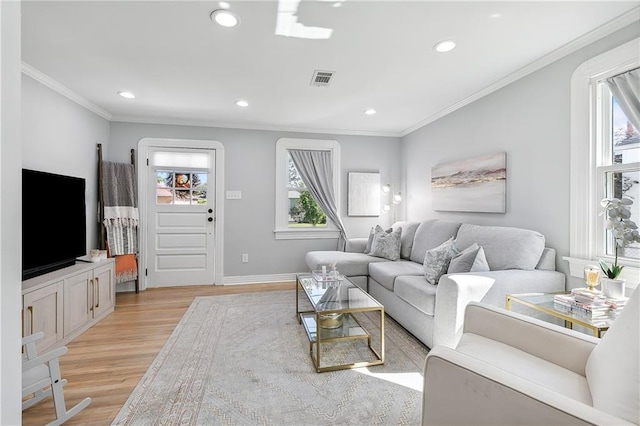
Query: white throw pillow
x,y
436,261
480,263
387,244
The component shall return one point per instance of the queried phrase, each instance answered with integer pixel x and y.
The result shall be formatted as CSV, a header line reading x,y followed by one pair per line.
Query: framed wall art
x,y
474,185
364,194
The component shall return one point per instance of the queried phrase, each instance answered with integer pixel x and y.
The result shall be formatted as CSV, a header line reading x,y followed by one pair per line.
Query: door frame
x,y
144,145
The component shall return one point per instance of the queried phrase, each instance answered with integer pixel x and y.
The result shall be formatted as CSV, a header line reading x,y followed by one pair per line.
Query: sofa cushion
x,y
408,233
526,366
504,247
613,368
430,234
436,261
386,244
386,273
417,292
349,264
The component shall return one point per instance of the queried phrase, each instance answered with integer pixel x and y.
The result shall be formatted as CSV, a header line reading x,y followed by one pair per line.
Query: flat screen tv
x,y
54,229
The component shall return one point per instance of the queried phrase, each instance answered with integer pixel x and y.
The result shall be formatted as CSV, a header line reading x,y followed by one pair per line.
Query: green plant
x,y
313,214
622,228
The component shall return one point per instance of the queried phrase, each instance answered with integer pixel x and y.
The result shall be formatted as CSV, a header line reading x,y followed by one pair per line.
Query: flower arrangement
x,y
623,229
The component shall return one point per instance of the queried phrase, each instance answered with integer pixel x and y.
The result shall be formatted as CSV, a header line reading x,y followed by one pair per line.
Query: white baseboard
x,y
237,280
259,279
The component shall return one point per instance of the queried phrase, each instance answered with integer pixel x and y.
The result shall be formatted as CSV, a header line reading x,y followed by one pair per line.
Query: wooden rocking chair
x,y
41,379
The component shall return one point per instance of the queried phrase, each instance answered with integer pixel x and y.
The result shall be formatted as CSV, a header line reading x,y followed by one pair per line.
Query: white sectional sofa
x,y
517,258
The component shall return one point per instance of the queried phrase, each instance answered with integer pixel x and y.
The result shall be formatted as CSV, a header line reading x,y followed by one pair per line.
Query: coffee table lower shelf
x,y
350,329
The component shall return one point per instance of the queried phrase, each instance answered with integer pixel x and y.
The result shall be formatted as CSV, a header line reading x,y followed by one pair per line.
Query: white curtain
x,y
316,171
626,89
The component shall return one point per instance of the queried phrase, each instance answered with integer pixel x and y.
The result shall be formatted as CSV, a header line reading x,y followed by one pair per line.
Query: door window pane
x,y
181,188
197,160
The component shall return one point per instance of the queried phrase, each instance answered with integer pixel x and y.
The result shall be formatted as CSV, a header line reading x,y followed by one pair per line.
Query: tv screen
x,y
54,226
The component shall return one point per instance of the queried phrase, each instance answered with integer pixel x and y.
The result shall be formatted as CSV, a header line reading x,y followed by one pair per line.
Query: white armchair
x,y
41,379
512,369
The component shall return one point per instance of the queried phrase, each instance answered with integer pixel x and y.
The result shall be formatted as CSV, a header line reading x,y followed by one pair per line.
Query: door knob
x,y
210,219
210,210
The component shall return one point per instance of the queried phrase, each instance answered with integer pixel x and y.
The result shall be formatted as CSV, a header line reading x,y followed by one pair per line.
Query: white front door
x,y
180,217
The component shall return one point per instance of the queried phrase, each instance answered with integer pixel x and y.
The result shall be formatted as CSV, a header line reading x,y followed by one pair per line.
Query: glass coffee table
x,y
331,320
543,302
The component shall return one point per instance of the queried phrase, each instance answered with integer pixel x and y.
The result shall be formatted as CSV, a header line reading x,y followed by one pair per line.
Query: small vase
x,y
612,288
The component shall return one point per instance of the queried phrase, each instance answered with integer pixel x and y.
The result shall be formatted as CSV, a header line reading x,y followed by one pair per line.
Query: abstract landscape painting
x,y
473,185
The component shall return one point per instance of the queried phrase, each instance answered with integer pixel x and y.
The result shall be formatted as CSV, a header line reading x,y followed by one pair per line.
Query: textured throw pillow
x,y
375,230
463,261
386,244
480,263
436,261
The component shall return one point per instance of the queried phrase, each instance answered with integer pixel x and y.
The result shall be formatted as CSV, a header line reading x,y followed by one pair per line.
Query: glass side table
x,y
543,302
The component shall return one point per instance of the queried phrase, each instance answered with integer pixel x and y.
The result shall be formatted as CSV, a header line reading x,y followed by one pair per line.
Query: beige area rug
x,y
244,359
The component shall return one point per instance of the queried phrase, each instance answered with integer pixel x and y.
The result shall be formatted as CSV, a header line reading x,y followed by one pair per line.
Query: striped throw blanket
x,y
121,216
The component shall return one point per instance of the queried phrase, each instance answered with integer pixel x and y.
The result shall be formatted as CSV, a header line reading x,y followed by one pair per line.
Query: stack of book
x,y
588,303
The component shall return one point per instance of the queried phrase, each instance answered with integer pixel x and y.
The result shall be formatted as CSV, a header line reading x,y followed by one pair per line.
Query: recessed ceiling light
x,y
444,46
242,103
370,111
224,5
225,18
495,15
127,95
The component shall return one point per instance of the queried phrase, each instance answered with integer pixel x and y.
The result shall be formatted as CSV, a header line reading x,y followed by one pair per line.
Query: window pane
x,y
625,137
625,184
304,212
294,179
181,188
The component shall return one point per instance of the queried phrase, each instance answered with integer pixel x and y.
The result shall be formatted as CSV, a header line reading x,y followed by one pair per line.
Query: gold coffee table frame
x,y
352,300
543,302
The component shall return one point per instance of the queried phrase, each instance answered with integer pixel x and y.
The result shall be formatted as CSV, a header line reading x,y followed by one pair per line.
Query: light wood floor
x,y
107,361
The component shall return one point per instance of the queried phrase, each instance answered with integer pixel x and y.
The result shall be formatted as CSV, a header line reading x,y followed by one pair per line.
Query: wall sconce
x,y
394,200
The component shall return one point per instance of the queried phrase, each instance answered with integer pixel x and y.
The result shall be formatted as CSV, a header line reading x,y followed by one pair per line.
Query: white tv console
x,y
65,303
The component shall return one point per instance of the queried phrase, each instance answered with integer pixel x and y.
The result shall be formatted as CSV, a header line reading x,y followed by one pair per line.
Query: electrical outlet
x,y
245,258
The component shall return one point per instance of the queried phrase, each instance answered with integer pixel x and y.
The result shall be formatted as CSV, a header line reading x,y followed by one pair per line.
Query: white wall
x,y
250,168
10,217
60,136
530,120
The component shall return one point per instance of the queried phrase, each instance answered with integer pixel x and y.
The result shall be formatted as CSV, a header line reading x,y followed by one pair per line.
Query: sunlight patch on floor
x,y
409,380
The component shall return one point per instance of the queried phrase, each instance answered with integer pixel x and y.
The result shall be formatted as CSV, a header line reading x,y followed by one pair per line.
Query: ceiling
x,y
184,69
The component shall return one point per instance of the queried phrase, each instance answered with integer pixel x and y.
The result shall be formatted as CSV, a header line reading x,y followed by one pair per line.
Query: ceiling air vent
x,y
322,78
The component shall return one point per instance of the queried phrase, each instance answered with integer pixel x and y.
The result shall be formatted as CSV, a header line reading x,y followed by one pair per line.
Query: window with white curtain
x,y
289,223
605,161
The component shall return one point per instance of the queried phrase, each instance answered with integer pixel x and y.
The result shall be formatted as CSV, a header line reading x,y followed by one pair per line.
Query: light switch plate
x,y
234,195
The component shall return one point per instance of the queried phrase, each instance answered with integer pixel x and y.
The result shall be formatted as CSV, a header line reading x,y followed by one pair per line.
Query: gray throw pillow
x,y
436,261
463,261
386,244
480,263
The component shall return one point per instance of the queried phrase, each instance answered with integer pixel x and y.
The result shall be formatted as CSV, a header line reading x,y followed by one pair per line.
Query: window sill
x,y
630,273
306,234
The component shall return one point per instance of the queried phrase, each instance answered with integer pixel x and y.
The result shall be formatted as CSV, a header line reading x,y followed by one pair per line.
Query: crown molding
x,y
63,90
610,27
195,123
